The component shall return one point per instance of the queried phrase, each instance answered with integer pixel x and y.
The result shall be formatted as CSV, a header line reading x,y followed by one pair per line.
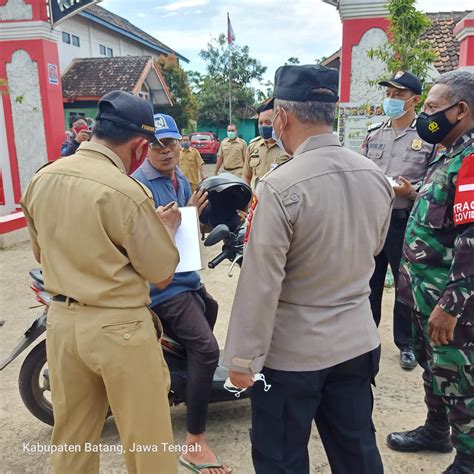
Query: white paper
x,y
187,241
392,181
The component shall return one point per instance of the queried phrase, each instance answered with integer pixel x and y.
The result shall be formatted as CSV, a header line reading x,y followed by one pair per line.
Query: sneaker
x,y
423,438
407,359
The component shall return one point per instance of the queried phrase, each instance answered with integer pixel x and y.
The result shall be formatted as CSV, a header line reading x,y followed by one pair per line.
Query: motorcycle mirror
x,y
217,234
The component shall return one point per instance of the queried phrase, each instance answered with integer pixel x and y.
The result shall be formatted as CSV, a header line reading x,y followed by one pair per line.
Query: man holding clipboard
x,y
184,307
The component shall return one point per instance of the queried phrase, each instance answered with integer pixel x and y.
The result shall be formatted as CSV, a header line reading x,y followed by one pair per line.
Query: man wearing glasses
x,y
187,312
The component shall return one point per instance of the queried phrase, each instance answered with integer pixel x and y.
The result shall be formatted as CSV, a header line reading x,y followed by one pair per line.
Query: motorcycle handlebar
x,y
220,258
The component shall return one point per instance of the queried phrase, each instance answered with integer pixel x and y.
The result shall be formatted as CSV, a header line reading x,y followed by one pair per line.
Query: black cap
x,y
127,111
267,105
404,80
301,83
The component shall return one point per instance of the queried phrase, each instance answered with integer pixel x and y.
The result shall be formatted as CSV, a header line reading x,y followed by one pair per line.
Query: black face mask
x,y
434,128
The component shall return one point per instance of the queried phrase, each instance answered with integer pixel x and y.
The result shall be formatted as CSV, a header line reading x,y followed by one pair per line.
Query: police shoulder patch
x,y
375,126
463,210
253,205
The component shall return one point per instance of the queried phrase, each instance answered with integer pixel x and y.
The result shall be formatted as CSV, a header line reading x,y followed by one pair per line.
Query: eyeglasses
x,y
164,143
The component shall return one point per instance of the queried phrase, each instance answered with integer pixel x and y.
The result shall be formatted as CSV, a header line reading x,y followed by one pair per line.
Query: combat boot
x,y
423,438
463,464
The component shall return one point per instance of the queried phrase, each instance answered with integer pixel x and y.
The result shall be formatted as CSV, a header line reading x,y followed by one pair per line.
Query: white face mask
x,y
230,387
278,138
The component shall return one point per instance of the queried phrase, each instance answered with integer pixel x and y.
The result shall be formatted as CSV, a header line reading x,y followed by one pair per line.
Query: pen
x,y
169,206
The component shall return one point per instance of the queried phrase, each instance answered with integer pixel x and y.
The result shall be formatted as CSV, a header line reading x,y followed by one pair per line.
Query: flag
x,y
230,31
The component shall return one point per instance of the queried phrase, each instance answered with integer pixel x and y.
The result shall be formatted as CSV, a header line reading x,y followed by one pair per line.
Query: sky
x,y
274,30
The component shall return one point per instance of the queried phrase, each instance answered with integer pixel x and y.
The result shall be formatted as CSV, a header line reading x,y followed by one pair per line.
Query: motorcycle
x,y
33,380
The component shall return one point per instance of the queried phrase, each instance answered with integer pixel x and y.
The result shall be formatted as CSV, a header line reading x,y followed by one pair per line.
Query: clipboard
x,y
188,241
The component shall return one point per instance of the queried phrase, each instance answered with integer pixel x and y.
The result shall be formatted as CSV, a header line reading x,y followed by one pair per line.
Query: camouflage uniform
x,y
438,269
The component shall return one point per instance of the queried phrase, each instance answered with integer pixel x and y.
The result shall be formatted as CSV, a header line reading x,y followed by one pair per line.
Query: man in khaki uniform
x,y
395,147
232,152
100,240
263,154
301,312
191,163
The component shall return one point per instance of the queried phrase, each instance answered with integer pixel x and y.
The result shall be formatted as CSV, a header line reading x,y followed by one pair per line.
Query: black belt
x,y
64,299
401,213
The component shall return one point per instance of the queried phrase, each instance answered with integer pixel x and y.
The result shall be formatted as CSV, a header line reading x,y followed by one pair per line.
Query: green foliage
x,y
292,60
184,106
3,86
225,62
320,60
405,50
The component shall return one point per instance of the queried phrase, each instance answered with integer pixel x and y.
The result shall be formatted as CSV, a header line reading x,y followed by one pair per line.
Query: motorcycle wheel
x,y
34,385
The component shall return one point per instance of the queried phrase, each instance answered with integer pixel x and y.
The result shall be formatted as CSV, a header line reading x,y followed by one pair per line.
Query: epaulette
x,y
143,187
375,126
255,139
45,165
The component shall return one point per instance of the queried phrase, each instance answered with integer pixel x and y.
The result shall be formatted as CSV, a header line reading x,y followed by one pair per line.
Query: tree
x,y
405,50
292,60
224,63
184,106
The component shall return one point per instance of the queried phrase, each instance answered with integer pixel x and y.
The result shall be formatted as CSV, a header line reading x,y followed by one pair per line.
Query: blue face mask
x,y
394,108
185,145
265,131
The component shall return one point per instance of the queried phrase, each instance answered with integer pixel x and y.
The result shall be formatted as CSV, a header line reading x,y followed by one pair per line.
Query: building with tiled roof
x,y
88,79
439,34
97,32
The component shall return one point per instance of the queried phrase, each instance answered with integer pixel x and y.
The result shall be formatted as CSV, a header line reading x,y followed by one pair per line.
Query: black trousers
x,y
189,317
339,399
391,255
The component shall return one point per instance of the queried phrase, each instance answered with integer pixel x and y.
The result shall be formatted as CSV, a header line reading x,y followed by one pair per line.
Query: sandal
x,y
198,468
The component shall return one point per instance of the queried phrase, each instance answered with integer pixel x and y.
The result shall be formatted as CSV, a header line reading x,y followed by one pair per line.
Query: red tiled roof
x,y
94,77
440,35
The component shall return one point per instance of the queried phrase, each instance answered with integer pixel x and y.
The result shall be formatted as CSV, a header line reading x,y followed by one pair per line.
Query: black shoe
x,y
463,464
423,438
407,359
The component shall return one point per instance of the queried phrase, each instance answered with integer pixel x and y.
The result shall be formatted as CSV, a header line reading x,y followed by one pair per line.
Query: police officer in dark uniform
x,y
403,157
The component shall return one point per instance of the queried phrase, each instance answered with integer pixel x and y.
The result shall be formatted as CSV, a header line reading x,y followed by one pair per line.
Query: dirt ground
x,y
398,396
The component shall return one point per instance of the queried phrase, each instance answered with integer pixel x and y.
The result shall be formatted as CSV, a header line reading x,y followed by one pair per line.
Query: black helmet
x,y
226,194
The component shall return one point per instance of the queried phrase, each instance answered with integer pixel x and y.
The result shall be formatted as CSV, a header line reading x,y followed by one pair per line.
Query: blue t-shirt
x,y
163,192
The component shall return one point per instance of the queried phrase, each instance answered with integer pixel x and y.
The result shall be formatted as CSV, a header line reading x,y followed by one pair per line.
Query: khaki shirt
x,y
261,158
233,153
302,300
97,231
190,162
398,153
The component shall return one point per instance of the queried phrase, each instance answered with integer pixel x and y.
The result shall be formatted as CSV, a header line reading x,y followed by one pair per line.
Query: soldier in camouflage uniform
x,y
437,275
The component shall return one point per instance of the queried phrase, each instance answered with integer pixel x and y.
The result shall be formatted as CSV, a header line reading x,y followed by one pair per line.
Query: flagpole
x,y
230,69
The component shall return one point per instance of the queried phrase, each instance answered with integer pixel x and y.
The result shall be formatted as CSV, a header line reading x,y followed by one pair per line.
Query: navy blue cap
x,y
267,105
404,80
127,111
165,127
302,83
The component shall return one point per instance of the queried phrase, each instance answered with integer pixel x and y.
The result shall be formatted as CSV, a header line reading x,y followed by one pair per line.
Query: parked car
x,y
207,145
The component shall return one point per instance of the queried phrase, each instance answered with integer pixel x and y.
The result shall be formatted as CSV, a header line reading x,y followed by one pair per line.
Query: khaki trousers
x,y
106,356
235,171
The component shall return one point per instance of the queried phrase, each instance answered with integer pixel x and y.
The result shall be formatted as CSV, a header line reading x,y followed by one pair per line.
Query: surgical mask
x,y
435,127
266,131
278,139
230,387
394,108
185,145
231,135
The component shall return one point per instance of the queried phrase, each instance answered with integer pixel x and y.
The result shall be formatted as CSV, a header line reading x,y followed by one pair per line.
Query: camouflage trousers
x,y
448,380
